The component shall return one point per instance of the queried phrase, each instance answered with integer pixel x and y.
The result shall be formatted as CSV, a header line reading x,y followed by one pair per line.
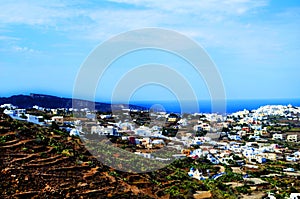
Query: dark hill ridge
x,y
48,101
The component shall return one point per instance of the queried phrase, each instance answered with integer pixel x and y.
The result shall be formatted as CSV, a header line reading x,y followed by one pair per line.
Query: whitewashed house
x,y
143,131
74,132
58,119
101,130
35,119
277,136
8,106
126,126
90,115
292,138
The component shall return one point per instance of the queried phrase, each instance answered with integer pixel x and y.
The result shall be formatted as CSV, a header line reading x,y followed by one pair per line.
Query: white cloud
x,y
24,49
146,12
31,13
214,23
199,7
8,38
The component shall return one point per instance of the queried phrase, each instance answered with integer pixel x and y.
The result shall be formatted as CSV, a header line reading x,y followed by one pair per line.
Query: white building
x,y
277,136
74,132
126,126
16,113
101,130
90,115
35,119
8,106
143,131
292,138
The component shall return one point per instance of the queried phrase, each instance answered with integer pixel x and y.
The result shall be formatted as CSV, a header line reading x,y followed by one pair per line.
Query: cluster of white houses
x,y
247,123
20,114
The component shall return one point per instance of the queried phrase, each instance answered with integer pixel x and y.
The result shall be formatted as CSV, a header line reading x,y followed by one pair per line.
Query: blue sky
x,y
254,44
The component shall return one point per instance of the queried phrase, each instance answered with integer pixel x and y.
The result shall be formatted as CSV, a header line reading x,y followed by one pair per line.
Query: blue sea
x,y
206,106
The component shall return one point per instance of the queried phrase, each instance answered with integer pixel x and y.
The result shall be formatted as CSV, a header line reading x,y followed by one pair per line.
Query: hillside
x,y
40,162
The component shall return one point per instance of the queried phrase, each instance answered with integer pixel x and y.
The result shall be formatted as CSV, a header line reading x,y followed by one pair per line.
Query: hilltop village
x,y
253,151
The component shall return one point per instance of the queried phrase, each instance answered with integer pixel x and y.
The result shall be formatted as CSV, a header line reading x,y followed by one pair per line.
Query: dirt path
x,y
254,195
238,170
222,168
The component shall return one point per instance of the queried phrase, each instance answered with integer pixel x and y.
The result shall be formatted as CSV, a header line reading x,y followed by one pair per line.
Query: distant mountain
x,y
48,101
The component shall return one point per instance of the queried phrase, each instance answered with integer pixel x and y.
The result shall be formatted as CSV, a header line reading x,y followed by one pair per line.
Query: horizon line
x,y
156,100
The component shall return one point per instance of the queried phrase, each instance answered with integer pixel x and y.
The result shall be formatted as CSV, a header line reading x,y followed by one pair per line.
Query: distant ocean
x,y
205,106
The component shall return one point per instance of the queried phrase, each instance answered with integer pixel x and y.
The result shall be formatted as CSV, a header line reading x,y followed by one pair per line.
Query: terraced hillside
x,y
40,162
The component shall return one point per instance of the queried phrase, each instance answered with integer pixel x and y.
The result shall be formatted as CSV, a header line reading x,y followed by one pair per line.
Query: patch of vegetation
x,y
3,139
113,173
244,189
